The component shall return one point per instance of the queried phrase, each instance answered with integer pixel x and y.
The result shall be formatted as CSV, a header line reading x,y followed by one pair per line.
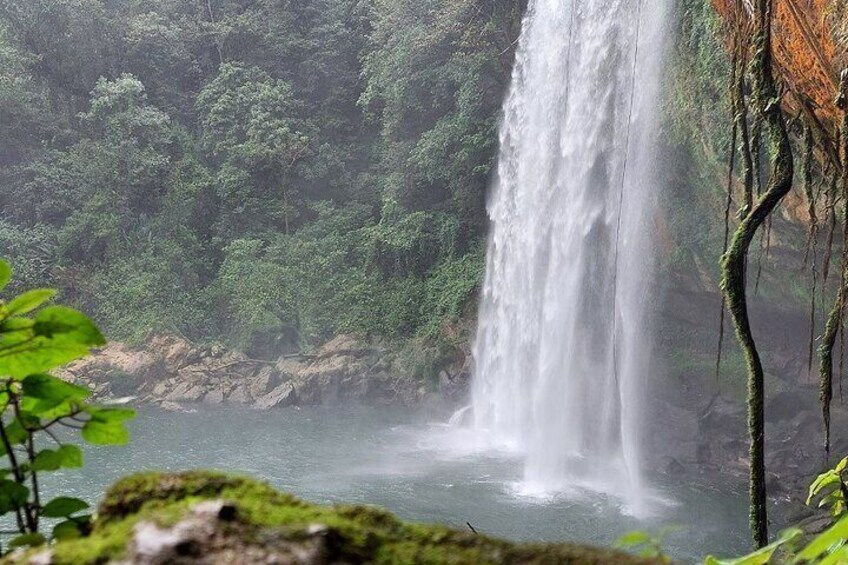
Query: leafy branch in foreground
x,y
36,337
831,489
829,547
645,544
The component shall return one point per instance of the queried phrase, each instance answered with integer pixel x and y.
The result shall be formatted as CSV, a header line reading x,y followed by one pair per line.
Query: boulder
x,y
281,397
348,370
266,380
214,396
169,406
189,391
240,395
175,352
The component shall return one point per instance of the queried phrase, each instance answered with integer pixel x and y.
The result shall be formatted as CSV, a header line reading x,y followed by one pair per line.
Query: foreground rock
x,y
195,518
175,373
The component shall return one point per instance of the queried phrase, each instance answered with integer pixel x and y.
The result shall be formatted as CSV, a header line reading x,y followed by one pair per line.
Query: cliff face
x,y
811,50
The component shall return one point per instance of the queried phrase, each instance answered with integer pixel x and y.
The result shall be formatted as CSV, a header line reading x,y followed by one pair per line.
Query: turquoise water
x,y
418,469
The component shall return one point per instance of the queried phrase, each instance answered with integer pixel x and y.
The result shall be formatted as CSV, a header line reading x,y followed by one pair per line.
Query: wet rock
x,y
239,395
161,389
169,406
816,524
281,397
266,380
676,434
672,467
455,386
723,417
215,396
348,370
789,404
186,392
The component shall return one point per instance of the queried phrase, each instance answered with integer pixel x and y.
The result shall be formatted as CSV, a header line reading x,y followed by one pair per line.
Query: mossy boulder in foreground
x,y
212,518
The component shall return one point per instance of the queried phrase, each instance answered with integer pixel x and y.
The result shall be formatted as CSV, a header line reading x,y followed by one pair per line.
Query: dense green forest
x,y
272,173
267,173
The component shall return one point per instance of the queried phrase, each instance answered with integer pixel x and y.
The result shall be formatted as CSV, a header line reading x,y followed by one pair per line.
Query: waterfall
x,y
563,344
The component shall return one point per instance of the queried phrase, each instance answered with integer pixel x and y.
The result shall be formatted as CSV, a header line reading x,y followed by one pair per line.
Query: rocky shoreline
x,y
173,373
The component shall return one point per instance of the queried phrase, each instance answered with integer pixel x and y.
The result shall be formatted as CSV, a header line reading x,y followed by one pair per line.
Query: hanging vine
x,y
835,320
737,73
830,210
766,101
756,171
811,253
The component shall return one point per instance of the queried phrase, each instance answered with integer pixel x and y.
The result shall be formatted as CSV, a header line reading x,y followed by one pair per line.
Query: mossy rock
x,y
201,517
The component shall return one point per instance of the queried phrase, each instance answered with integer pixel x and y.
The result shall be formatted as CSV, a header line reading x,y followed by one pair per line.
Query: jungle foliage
x,y
265,172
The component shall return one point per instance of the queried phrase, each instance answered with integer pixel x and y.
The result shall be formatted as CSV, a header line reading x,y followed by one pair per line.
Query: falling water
x,y
563,342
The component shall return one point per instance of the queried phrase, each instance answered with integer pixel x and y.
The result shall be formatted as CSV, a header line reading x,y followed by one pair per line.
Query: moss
x,y
264,515
130,494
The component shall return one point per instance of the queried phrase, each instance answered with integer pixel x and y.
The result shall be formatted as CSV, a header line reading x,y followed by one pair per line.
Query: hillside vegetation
x,y
268,173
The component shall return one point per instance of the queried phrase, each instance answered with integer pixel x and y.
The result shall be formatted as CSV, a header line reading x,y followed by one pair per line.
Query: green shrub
x,y
35,338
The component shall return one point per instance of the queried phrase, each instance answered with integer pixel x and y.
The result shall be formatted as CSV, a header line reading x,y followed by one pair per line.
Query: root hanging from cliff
x,y
766,101
836,319
765,252
737,72
811,253
831,199
746,148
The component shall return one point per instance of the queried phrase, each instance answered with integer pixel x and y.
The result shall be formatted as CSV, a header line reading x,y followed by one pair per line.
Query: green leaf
x,y
71,456
46,460
27,540
69,529
16,325
98,432
63,507
5,274
43,393
16,433
39,354
111,415
828,541
73,528
823,481
67,456
106,426
762,556
57,321
633,539
12,495
29,301
837,557
58,336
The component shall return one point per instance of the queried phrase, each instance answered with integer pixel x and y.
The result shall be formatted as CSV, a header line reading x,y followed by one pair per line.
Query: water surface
x,y
398,459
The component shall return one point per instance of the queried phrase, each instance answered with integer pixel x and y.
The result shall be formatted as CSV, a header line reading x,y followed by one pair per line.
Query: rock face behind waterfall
x,y
811,49
206,518
175,373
